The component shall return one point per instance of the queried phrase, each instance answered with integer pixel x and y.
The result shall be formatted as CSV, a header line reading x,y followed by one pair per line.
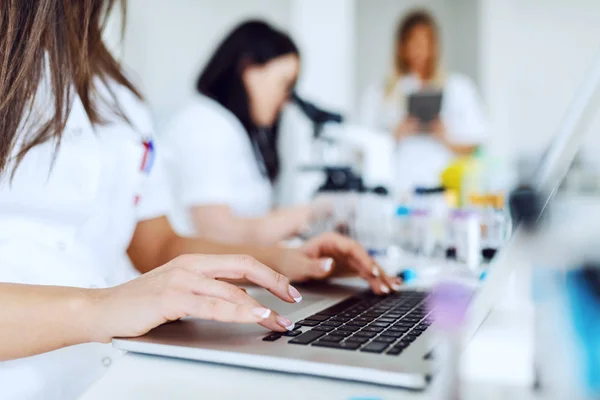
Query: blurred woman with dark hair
x,y
222,147
424,151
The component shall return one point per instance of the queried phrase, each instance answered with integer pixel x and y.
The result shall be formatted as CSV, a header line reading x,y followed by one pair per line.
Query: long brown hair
x,y
405,28
58,41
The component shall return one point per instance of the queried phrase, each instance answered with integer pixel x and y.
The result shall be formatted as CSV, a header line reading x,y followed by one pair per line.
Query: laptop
x,y
345,332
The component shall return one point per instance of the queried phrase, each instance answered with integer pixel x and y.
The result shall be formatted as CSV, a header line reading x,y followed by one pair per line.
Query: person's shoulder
x,y
133,107
205,112
205,122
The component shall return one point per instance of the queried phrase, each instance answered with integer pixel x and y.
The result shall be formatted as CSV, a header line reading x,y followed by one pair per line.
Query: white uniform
x,y
211,161
420,159
69,222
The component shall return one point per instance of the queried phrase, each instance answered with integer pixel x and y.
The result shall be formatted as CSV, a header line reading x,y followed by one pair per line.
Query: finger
x,y
393,282
320,268
349,251
378,285
233,294
210,308
245,267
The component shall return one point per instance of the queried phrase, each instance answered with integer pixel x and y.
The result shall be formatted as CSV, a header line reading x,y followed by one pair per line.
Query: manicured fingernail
x,y
295,294
286,323
262,312
376,272
396,287
327,264
385,289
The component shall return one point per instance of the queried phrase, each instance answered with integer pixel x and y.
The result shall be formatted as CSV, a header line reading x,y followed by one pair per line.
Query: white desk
x,y
497,366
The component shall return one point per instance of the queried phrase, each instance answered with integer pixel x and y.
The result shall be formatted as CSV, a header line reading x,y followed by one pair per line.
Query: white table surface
x,y
496,365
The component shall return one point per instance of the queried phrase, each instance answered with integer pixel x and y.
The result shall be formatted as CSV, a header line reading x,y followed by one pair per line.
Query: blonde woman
x,y
424,151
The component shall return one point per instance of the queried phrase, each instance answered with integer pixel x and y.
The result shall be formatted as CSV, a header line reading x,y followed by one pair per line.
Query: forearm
x,y
458,149
218,223
461,150
237,230
177,245
155,243
38,319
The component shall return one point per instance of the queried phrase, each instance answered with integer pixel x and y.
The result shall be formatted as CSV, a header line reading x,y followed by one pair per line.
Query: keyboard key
x,y
332,338
388,320
342,333
403,344
410,337
322,328
401,329
358,339
357,323
331,323
348,328
365,319
372,314
394,351
393,315
272,337
308,323
411,319
365,334
385,339
341,306
393,334
372,329
340,319
340,346
319,317
375,347
307,337
292,333
380,324
404,324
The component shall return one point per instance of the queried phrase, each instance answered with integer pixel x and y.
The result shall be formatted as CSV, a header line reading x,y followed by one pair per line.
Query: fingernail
x,y
396,287
376,272
327,265
286,323
295,294
262,312
385,289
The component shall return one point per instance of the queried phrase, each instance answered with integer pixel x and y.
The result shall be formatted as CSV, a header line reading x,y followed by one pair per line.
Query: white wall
x,y
535,54
325,32
167,42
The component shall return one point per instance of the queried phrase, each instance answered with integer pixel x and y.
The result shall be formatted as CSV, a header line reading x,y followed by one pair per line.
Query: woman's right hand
x,y
408,127
189,286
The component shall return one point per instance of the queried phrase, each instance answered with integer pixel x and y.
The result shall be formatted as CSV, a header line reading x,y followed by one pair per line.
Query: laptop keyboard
x,y
366,323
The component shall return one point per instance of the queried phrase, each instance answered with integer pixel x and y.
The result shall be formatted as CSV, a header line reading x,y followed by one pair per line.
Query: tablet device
x,y
425,106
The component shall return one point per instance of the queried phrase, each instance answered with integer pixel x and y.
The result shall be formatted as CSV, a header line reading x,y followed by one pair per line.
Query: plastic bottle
x,y
402,231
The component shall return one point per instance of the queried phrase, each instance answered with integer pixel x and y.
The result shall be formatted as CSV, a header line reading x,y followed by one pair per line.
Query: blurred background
x,y
526,57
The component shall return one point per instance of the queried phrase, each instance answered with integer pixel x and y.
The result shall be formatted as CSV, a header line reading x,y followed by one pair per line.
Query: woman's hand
x,y
408,127
188,286
333,254
439,132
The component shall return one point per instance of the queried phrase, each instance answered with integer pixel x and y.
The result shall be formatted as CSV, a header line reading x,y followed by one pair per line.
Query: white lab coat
x,y
420,159
210,161
69,222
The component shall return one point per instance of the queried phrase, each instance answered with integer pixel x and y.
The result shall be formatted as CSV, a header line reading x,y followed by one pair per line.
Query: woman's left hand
x,y
330,254
439,131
